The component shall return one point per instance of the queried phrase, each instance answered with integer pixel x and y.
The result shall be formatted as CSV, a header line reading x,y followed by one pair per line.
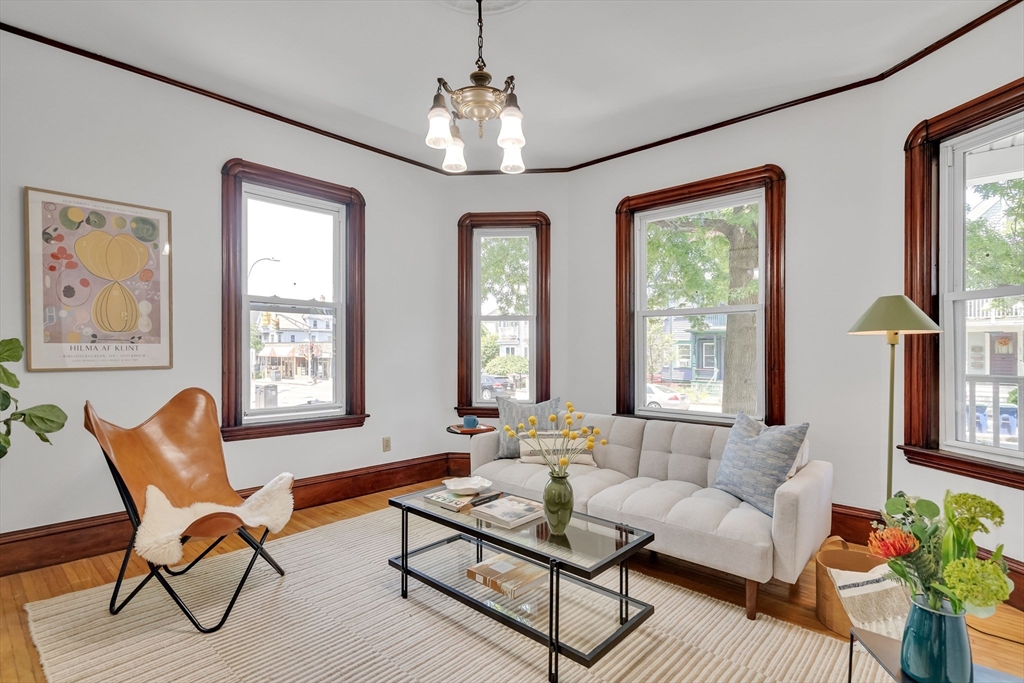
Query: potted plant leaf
x,y
933,552
43,419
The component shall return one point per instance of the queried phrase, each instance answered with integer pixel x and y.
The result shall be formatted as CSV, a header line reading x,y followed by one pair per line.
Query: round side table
x,y
479,429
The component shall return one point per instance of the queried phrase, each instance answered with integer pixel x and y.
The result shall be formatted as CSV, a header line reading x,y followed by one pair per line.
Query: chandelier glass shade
x,y
479,102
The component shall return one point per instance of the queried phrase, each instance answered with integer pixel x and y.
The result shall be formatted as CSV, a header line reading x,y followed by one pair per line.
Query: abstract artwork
x,y
99,283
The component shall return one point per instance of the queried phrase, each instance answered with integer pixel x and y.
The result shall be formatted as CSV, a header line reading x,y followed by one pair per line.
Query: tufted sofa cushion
x,y
697,524
529,480
682,451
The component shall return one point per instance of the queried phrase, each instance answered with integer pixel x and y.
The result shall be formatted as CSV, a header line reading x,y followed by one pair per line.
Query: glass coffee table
x,y
573,616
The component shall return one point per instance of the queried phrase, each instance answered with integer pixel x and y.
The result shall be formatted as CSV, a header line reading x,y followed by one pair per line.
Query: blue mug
x,y
470,422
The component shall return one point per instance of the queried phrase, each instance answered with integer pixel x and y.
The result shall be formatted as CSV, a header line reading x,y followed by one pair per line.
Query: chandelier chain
x,y
480,63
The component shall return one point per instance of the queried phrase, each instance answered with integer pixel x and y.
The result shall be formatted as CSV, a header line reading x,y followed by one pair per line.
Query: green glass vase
x,y
558,503
936,648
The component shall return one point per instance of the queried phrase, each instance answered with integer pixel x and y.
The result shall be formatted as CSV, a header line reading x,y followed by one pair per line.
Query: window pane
x,y
704,363
505,276
704,259
988,335
504,360
290,251
286,373
994,214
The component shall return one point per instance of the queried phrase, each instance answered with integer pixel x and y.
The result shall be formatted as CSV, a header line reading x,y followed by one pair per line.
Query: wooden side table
x,y
479,429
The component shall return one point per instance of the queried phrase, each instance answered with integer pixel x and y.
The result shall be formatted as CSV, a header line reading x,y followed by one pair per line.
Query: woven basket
x,y
835,553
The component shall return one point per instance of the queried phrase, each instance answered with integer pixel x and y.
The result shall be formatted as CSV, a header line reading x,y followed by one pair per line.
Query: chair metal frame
x,y
155,570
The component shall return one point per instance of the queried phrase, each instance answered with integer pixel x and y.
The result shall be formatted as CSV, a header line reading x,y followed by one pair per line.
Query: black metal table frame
x,y
556,568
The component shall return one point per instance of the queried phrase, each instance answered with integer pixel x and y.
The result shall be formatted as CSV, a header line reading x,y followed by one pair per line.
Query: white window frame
x,y
296,308
642,313
688,356
952,244
479,319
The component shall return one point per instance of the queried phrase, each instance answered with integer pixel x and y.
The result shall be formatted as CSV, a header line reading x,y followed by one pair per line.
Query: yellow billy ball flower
x,y
568,406
565,432
552,418
522,426
532,420
604,442
596,430
584,431
564,462
511,434
573,435
532,432
568,419
579,416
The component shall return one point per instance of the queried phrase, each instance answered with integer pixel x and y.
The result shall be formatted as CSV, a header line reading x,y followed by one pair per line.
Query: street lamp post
x,y
265,258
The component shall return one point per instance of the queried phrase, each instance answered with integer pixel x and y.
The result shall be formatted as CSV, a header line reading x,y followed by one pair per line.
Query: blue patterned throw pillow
x,y
512,414
756,459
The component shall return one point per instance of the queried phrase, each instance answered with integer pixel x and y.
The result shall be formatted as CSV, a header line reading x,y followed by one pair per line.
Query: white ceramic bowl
x,y
467,485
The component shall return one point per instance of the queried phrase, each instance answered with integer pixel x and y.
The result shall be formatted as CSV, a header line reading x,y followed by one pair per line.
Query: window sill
x,y
479,411
679,418
965,466
268,429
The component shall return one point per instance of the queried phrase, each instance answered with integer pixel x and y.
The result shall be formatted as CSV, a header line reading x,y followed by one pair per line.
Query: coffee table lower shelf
x,y
596,619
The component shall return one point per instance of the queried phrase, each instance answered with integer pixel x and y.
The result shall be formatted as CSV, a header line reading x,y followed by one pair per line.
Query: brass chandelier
x,y
479,102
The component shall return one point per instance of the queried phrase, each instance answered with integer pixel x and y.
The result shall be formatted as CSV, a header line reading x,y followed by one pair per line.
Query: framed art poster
x,y
98,283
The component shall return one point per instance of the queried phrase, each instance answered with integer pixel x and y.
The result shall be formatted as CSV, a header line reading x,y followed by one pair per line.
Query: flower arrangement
x,y
933,551
563,442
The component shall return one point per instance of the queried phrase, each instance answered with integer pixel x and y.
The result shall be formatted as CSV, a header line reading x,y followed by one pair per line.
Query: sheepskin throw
x,y
159,537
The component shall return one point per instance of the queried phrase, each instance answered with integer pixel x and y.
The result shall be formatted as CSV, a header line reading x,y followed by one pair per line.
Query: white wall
x,y
73,125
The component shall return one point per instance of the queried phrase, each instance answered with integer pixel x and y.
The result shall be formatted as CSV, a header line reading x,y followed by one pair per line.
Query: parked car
x,y
663,397
492,386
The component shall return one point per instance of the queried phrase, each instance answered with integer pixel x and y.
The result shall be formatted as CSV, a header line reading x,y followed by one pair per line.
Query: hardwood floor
x,y
19,661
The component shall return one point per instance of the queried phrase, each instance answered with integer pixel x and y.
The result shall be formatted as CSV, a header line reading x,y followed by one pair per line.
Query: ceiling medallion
x,y
479,102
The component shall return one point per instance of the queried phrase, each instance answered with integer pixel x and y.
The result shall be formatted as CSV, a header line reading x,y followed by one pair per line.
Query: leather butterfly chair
x,y
179,451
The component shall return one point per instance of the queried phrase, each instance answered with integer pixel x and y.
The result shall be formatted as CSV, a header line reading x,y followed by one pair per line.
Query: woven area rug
x,y
337,616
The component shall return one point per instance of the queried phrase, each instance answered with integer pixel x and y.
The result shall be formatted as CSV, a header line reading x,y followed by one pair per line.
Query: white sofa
x,y
656,475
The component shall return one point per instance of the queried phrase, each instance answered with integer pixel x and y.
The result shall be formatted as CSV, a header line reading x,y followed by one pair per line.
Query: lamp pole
x,y
893,338
265,258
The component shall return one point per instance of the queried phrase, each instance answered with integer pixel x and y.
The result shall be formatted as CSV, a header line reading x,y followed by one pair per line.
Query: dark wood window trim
x,y
773,180
235,173
921,407
542,362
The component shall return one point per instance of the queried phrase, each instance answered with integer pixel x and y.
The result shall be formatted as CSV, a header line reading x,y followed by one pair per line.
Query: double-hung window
x,y
504,274
698,288
981,242
293,264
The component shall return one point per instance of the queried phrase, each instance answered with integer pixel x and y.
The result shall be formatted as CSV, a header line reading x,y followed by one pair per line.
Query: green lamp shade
x,y
894,313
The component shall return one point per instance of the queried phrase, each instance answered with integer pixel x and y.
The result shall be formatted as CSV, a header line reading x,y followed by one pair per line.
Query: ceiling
x,y
593,77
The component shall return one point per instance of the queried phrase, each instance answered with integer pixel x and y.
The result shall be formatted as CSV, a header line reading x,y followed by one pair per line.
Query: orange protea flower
x,y
892,542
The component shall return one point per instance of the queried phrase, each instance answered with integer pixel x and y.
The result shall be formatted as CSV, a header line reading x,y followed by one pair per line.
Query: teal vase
x,y
936,648
558,503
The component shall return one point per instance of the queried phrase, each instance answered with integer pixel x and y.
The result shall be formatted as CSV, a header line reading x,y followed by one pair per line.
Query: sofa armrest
x,y
483,448
802,519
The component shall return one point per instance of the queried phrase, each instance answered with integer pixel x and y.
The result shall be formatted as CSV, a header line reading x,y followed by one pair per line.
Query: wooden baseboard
x,y
44,546
854,525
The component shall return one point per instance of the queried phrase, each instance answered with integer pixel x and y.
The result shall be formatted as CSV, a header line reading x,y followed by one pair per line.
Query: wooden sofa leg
x,y
752,599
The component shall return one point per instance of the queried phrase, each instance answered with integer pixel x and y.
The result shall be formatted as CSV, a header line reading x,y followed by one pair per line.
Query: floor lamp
x,y
892,315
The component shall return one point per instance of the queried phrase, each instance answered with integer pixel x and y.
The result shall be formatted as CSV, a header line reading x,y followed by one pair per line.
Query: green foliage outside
x,y
255,341
505,273
42,419
659,347
1013,396
995,254
508,365
488,346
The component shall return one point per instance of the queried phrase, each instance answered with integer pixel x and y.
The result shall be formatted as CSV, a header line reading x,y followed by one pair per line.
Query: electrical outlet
x,y
387,443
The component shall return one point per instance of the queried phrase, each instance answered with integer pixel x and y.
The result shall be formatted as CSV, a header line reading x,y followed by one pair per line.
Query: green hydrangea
x,y
969,509
980,583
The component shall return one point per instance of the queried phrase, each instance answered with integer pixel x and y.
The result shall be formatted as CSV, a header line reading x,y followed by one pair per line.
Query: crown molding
x,y
891,71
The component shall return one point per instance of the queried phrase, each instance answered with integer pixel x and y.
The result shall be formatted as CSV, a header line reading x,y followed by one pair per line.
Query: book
x,y
457,502
508,575
509,512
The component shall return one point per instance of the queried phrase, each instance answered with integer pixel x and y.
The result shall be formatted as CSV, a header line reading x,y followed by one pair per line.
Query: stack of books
x,y
457,502
508,512
508,575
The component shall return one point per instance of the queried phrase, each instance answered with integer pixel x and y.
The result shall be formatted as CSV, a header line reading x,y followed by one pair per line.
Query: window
x,y
943,276
699,268
981,309
315,323
273,279
504,281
